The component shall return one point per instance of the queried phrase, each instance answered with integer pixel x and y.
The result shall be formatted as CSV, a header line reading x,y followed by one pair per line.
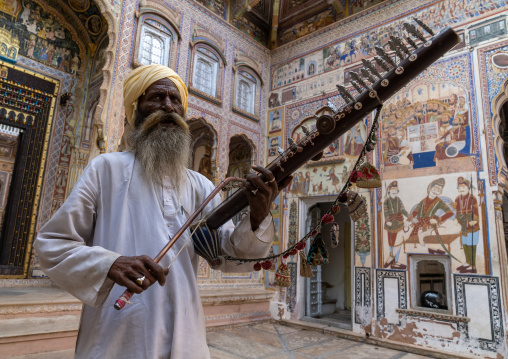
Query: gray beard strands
x,y
162,151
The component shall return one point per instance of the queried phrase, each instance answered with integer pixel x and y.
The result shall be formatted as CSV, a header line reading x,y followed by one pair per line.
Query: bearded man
x,y
123,210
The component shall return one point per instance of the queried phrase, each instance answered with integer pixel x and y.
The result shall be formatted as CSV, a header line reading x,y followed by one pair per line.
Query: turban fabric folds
x,y
140,79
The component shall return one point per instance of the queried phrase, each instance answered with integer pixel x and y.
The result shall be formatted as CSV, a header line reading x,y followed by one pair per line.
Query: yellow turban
x,y
140,79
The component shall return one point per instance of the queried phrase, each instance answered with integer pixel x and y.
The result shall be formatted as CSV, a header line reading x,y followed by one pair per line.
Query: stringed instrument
x,y
373,88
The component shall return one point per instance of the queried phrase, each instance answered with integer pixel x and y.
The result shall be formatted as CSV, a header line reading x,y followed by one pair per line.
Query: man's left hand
x,y
261,190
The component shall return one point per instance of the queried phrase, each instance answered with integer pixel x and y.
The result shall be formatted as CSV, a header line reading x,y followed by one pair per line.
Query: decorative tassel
x,y
368,176
335,234
305,269
356,205
282,276
318,254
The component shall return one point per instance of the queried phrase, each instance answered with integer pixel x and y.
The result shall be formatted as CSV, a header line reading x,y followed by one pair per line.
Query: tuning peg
x,y
414,31
366,73
331,105
423,26
411,42
345,94
398,41
382,53
356,86
358,79
305,130
395,48
372,69
294,146
381,63
280,151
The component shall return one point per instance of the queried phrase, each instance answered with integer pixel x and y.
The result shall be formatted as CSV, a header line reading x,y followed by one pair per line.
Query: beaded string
x,y
369,146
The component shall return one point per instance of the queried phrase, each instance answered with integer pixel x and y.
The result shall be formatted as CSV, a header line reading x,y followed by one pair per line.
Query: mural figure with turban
x,y
122,210
431,211
466,206
394,213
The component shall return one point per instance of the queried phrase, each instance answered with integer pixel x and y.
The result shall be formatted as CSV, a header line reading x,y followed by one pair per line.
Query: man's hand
x,y
261,190
125,271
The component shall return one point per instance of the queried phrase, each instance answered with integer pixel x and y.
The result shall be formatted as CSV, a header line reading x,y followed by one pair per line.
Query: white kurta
x,y
114,211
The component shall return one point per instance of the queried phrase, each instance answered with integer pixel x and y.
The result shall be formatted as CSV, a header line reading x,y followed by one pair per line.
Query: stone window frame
x,y
256,105
149,19
204,49
446,261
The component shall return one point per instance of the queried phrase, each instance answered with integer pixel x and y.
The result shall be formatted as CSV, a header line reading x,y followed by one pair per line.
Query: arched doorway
x,y
204,148
240,160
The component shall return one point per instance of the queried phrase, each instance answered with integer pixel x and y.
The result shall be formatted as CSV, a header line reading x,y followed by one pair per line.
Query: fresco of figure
x,y
355,138
394,213
452,137
467,216
425,214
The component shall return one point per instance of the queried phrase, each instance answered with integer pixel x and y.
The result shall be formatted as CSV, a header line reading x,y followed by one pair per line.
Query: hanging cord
x,y
361,160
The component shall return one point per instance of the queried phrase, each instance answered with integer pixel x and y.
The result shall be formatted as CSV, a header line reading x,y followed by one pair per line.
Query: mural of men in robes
x,y
467,216
355,138
431,211
394,213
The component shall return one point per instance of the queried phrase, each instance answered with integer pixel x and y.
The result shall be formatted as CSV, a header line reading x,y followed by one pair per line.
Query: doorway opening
x,y
328,294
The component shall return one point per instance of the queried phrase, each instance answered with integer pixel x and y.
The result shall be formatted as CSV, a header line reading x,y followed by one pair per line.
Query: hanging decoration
x,y
334,233
318,254
282,277
356,205
367,176
305,268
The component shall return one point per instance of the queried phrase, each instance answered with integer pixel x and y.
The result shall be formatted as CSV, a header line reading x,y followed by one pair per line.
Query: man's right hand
x,y
125,271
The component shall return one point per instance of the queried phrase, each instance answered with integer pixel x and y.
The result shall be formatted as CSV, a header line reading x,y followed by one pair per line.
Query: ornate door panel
x,y
27,102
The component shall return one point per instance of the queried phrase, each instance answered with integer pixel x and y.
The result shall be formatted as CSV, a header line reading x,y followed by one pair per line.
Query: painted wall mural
x,y
251,29
356,6
431,124
41,36
443,215
219,7
363,46
308,26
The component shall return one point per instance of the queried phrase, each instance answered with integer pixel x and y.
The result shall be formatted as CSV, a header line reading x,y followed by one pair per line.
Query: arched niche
x,y
204,148
241,156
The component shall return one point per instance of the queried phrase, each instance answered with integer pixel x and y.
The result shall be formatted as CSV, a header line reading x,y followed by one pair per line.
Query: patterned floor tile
x,y
330,346
259,336
219,354
305,338
236,345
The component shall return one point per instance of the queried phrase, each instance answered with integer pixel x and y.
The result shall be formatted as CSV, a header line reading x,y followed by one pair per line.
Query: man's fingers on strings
x,y
266,174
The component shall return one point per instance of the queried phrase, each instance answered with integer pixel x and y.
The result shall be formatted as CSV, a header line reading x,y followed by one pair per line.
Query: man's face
x,y
435,191
463,189
394,192
161,95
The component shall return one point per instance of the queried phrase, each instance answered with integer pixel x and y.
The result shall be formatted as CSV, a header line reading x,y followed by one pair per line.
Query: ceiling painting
x,y
278,22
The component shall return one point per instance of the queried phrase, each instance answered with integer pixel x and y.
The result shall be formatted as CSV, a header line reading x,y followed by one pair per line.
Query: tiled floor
x,y
273,341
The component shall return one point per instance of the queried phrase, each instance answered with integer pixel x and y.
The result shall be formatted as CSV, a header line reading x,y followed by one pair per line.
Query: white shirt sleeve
x,y
64,244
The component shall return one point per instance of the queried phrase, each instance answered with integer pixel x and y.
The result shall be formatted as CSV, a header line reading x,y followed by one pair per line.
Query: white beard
x,y
162,150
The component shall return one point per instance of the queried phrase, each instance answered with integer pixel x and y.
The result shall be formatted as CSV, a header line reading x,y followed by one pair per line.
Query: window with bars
x,y
155,46
205,73
245,92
